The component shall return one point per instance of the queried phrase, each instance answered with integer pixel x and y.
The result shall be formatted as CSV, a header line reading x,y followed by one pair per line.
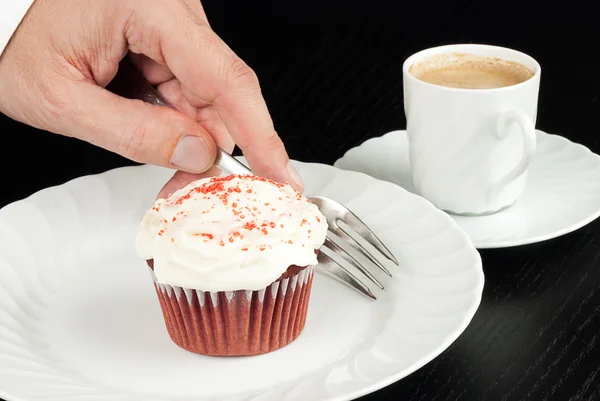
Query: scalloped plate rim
x,y
476,291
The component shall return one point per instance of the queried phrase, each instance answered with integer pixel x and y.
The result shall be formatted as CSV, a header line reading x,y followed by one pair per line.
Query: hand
x,y
55,69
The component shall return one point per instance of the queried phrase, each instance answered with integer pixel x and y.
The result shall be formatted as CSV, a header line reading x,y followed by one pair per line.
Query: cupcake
x,y
232,259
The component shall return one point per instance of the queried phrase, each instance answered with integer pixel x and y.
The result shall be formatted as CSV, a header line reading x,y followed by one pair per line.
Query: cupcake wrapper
x,y
233,323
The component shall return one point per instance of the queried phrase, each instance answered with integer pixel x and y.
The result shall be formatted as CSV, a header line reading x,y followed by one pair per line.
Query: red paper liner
x,y
236,323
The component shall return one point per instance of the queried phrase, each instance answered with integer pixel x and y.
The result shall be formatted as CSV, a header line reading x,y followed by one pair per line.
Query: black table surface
x,y
331,75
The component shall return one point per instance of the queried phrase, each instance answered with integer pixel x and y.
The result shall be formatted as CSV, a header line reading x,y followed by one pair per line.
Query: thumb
x,y
137,130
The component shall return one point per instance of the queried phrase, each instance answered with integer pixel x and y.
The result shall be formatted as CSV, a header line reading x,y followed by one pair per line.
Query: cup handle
x,y
529,145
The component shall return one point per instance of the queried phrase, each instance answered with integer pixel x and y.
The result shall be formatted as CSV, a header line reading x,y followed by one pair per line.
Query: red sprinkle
x,y
224,198
213,188
224,179
216,186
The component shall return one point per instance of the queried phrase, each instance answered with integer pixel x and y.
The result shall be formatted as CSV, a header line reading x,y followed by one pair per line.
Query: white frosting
x,y
230,233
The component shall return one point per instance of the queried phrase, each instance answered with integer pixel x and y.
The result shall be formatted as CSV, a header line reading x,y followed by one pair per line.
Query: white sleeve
x,y
11,14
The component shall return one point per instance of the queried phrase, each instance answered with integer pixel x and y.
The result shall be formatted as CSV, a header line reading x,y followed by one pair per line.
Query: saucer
x,y
562,192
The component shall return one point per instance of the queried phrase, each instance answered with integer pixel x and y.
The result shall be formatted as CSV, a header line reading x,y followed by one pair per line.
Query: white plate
x,y
562,192
79,319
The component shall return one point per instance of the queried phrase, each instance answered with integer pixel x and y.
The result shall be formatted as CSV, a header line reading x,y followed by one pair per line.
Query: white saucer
x,y
79,319
562,192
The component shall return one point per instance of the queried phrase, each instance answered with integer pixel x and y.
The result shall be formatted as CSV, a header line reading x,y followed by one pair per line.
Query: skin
x,y
54,71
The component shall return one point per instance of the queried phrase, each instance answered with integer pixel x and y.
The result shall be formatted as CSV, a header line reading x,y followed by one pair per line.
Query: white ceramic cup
x,y
470,149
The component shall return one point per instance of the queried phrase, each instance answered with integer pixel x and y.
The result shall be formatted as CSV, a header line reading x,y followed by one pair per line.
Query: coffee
x,y
470,71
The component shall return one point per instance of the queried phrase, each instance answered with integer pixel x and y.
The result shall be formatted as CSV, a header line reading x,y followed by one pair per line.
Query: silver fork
x,y
130,84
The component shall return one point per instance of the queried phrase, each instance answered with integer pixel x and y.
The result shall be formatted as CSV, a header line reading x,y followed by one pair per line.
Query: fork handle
x,y
130,84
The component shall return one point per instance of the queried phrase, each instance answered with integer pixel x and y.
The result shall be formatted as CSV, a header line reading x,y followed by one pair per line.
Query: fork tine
x,y
335,212
352,260
330,266
345,236
364,231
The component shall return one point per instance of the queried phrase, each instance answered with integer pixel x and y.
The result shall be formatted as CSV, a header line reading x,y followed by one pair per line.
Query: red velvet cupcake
x,y
232,260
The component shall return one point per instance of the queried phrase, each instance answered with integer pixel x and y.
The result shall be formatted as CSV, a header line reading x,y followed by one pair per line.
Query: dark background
x,y
331,75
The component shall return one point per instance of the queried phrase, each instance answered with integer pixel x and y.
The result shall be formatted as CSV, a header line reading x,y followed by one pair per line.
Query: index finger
x,y
210,71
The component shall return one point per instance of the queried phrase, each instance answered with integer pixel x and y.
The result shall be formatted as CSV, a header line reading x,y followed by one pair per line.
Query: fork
x,y
342,246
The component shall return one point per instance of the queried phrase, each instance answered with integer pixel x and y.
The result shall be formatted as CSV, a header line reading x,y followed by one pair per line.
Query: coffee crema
x,y
470,71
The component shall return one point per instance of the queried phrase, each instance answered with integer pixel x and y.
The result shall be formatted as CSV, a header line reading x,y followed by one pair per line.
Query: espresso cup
x,y
470,146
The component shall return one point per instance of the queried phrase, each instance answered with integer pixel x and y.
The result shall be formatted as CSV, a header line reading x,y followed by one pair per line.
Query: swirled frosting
x,y
230,233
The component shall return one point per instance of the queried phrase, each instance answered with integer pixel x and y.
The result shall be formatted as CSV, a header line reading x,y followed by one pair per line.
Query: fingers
x,y
205,114
211,73
170,88
154,72
137,130
197,8
211,120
